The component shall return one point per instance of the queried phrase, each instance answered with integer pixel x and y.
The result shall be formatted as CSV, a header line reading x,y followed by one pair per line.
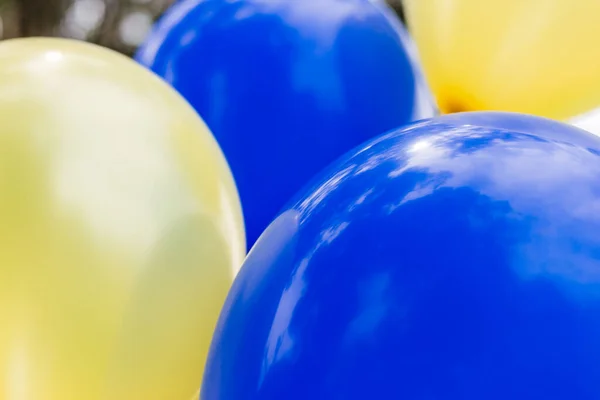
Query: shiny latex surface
x,y
120,232
288,86
536,56
455,259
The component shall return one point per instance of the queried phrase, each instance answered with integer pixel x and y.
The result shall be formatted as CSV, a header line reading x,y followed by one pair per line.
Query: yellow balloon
x,y
533,56
120,228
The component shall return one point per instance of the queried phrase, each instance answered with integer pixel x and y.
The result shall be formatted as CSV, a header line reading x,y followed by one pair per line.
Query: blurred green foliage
x,y
118,24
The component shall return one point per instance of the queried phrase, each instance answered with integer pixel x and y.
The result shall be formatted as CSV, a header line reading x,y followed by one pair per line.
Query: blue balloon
x,y
288,86
454,259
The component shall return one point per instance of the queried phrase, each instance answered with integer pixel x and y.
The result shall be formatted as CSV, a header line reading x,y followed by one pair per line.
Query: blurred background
x,y
118,24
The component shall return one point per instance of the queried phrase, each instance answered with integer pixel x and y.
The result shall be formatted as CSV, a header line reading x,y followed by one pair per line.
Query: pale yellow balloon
x,y
120,228
533,56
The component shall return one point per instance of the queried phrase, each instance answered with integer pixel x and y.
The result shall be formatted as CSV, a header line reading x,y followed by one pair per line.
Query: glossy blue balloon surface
x,y
455,259
288,86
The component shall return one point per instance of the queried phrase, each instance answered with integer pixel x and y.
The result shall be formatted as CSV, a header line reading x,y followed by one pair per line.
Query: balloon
x,y
590,121
536,56
120,228
288,86
453,259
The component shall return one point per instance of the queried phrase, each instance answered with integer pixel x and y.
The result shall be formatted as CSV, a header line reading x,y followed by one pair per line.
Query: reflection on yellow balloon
x,y
534,56
120,228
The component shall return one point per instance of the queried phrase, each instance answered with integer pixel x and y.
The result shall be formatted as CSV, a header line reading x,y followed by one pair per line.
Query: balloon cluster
x,y
394,253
